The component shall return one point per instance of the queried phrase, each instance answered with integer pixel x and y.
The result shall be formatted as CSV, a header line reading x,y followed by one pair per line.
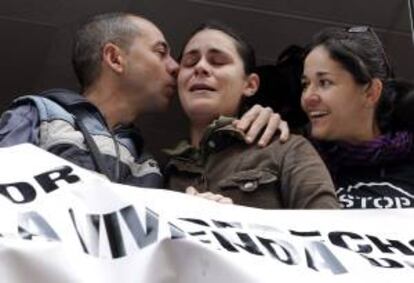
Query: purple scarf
x,y
387,148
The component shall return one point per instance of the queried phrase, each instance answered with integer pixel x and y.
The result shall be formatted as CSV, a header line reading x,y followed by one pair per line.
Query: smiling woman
x,y
215,76
351,98
331,97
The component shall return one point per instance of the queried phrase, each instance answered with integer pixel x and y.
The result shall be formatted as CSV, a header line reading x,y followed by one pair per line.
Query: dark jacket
x,y
49,120
281,175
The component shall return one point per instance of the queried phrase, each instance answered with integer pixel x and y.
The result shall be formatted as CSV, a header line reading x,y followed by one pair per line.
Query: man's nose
x,y
173,67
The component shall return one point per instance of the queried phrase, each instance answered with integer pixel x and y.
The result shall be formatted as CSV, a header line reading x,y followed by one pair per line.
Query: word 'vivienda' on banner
x,y
127,229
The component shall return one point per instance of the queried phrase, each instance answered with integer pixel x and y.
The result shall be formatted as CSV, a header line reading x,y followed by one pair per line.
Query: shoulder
x,y
16,113
296,149
19,124
294,141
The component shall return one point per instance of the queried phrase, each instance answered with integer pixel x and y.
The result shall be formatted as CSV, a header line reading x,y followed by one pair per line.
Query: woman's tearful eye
x,y
189,60
218,59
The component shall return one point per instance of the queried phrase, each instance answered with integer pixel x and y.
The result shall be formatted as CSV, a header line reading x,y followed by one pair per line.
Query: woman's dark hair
x,y
280,87
402,118
362,54
244,49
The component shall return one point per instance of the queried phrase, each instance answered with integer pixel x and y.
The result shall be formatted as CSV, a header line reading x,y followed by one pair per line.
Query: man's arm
x,y
19,125
259,119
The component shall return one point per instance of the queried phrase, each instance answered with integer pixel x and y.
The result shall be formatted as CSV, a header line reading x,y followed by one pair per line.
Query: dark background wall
x,y
36,37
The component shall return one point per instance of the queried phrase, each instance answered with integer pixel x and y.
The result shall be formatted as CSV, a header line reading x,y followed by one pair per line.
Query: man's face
x,y
150,71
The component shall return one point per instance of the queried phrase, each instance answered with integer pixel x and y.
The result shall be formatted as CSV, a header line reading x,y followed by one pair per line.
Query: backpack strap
x,y
62,98
93,148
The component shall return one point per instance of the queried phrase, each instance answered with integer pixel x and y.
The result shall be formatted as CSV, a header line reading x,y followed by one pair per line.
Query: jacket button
x,y
211,144
249,187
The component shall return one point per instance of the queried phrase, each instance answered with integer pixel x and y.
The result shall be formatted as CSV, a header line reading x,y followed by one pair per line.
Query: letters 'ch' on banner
x,y
61,223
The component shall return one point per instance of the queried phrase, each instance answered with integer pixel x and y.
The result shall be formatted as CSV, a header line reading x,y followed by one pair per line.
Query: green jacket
x,y
281,175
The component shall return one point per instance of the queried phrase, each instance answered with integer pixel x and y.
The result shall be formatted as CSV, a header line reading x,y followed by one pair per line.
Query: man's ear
x,y
373,92
252,84
112,56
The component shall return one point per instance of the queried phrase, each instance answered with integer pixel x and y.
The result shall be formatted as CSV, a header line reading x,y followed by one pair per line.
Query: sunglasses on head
x,y
370,30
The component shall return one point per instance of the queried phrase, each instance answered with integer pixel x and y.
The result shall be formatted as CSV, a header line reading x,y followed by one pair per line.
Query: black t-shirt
x,y
384,186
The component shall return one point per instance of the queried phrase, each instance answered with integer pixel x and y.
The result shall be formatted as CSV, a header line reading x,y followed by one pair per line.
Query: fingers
x,y
284,131
272,127
226,200
260,123
275,125
262,119
253,121
244,122
235,123
209,196
215,197
191,191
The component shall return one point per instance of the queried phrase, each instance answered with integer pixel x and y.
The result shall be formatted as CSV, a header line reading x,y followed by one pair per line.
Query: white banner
x,y
61,223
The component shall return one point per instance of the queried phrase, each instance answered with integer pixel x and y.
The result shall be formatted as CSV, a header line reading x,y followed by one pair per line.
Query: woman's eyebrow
x,y
322,73
191,52
217,51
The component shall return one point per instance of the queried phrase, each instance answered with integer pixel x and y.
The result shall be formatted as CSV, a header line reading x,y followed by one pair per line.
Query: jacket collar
x,y
66,97
72,101
218,135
